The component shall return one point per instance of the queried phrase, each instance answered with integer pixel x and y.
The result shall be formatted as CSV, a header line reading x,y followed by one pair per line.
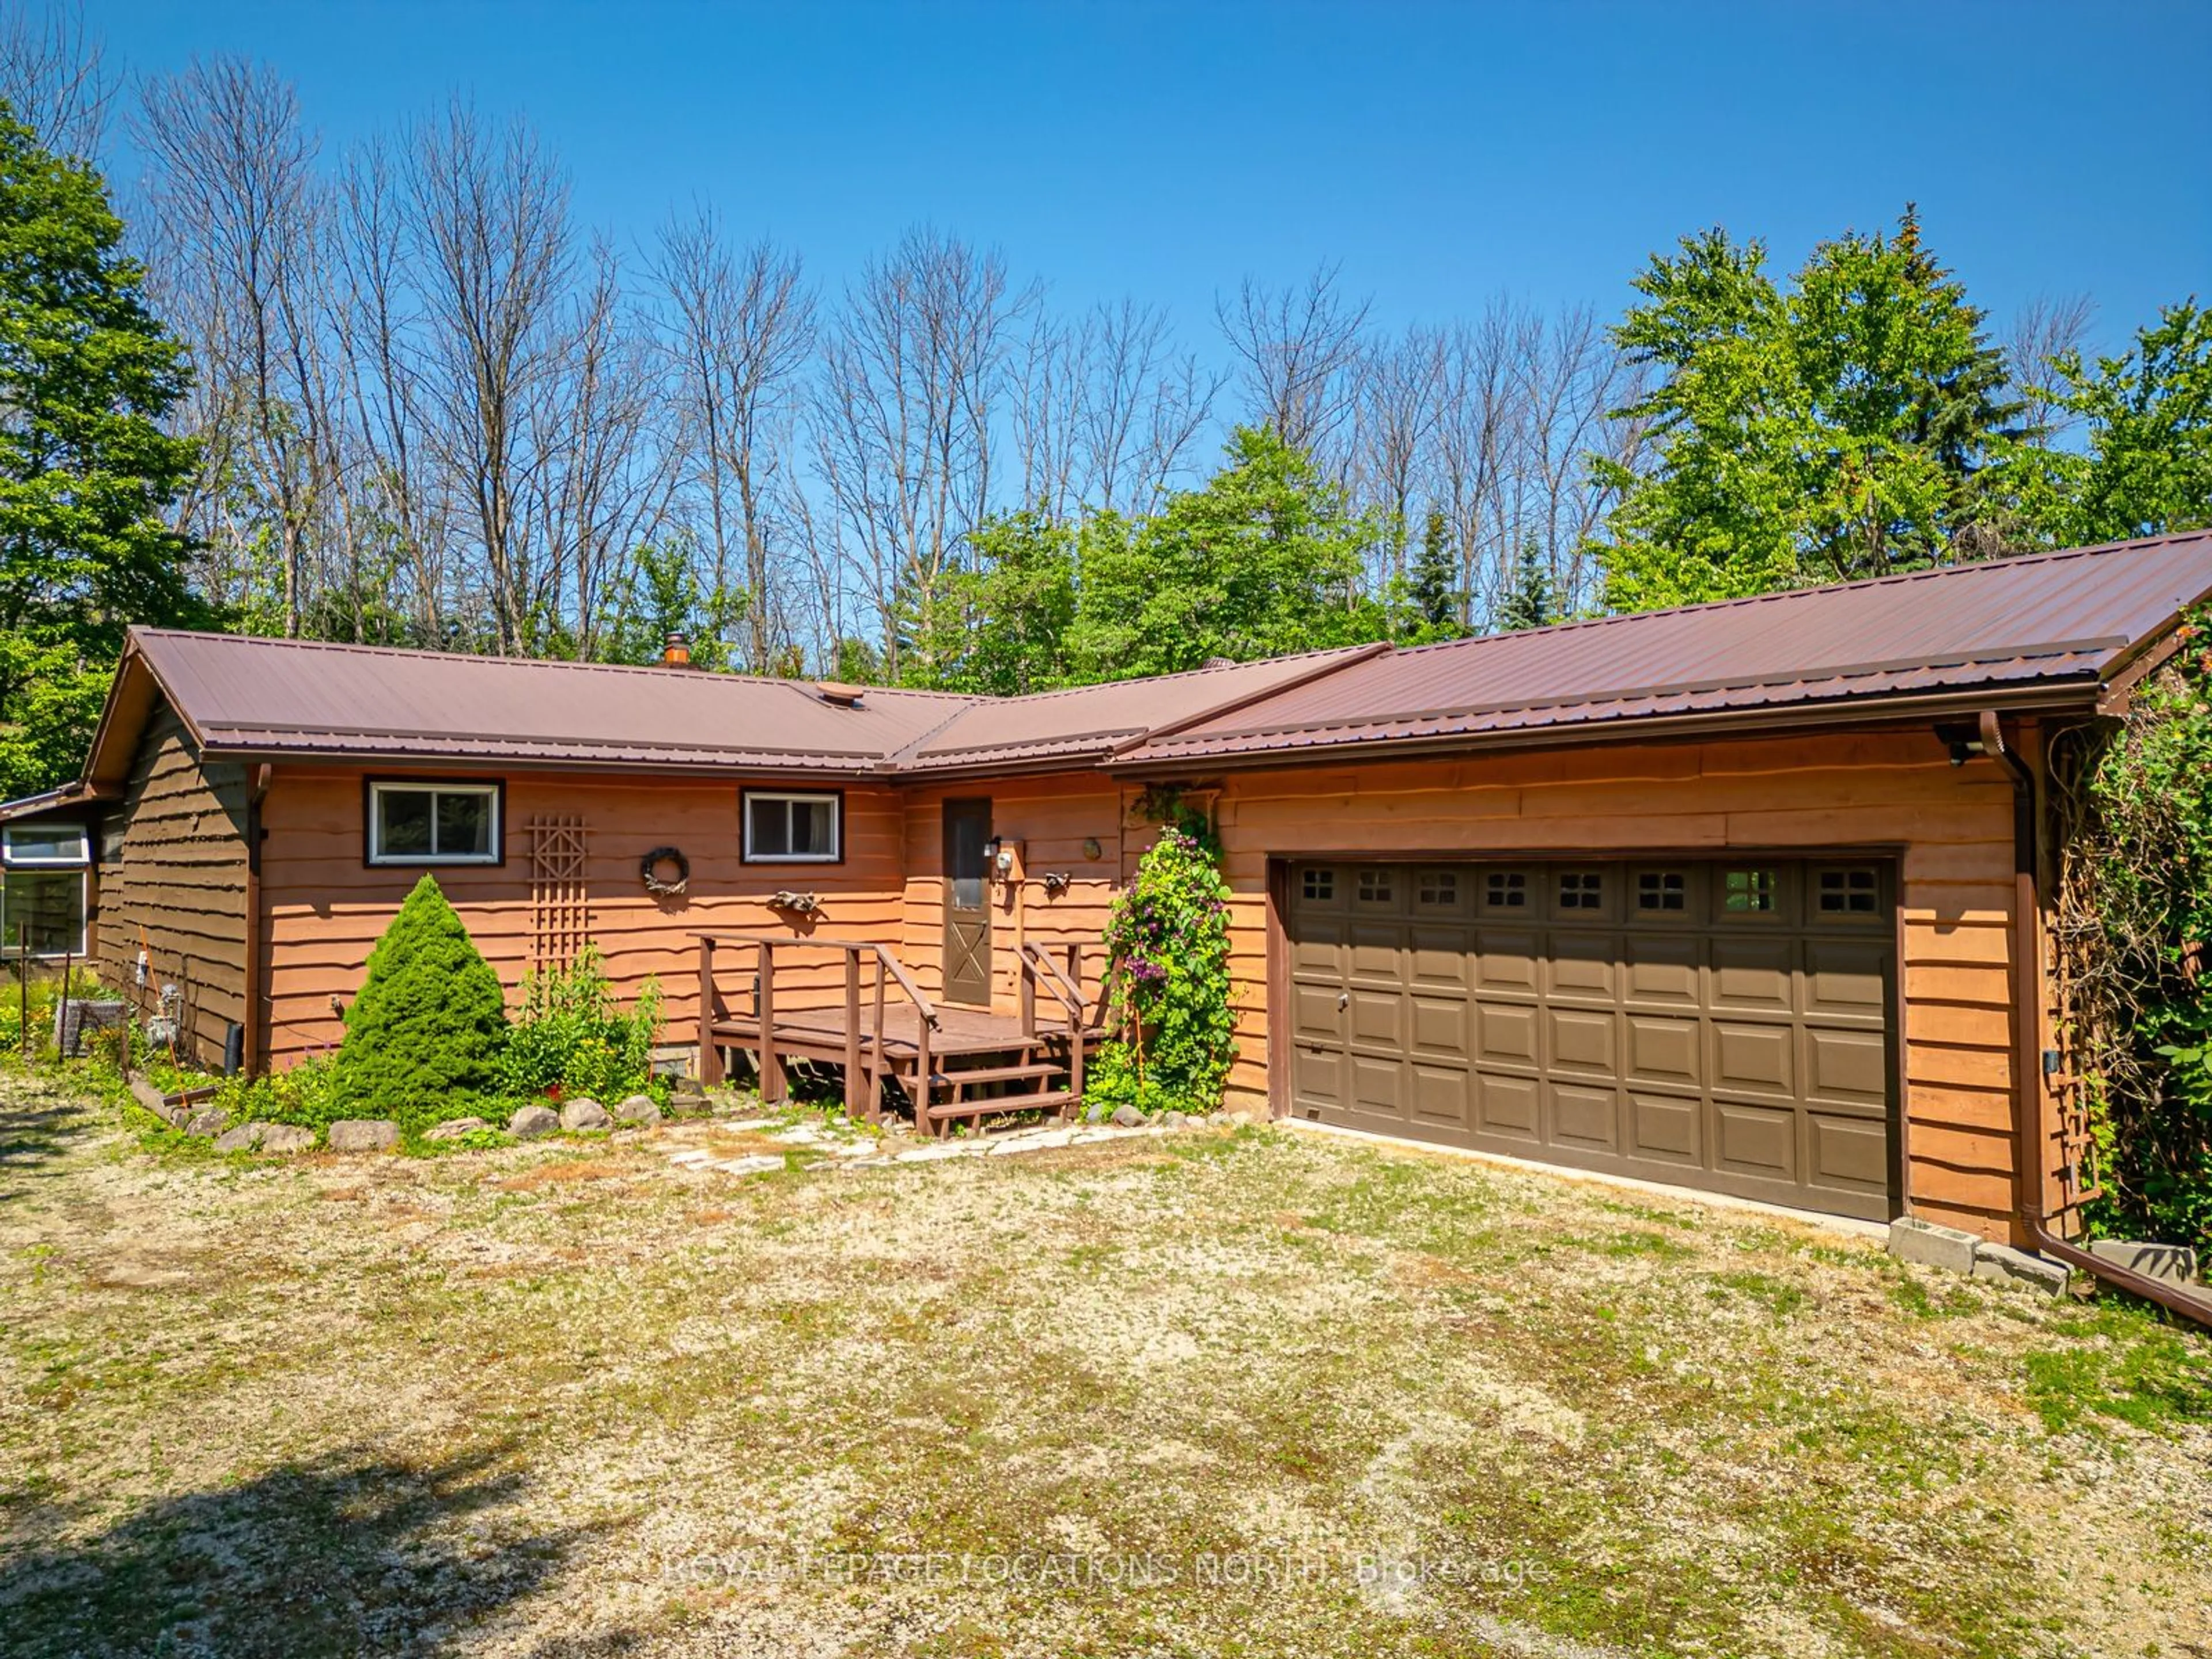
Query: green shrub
x,y
1168,939
569,1038
424,1038
300,1095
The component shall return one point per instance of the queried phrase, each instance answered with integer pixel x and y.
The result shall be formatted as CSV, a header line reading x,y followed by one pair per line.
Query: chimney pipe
x,y
676,653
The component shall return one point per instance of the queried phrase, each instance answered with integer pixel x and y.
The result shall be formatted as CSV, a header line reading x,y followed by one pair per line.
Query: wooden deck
x,y
944,1061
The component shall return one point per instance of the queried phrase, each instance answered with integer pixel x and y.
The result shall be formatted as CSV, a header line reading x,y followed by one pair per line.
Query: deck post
x,y
853,1080
876,1053
1077,1036
921,1079
1026,971
710,1053
771,1069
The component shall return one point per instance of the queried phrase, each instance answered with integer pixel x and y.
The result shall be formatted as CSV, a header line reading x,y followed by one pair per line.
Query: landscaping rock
x,y
1239,1119
584,1113
530,1122
1094,1114
363,1134
1911,1239
638,1109
1128,1117
453,1128
287,1137
243,1139
207,1123
2172,1264
1174,1120
2007,1266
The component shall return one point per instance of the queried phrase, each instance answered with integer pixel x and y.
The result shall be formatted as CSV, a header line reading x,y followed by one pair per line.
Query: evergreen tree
x,y
423,1039
87,375
1532,602
1435,589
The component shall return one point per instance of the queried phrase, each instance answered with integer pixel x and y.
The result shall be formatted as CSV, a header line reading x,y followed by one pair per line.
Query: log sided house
x,y
1742,897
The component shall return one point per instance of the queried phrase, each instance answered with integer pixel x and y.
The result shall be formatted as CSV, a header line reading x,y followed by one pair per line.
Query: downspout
x,y
2027,1054
257,779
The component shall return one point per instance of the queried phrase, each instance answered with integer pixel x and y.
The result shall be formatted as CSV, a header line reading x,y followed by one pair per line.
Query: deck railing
x,y
863,1082
1037,967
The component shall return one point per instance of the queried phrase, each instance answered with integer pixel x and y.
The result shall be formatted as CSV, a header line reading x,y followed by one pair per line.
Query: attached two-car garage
x,y
1722,1025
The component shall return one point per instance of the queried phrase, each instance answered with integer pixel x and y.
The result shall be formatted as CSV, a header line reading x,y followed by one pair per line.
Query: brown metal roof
x,y
275,697
1090,720
2031,625
2044,630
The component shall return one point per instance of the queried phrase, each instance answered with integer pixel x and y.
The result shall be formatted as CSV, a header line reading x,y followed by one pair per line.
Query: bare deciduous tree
x,y
1298,348
54,76
739,334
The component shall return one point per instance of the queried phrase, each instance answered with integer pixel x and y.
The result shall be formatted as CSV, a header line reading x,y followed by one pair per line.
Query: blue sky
x,y
1443,153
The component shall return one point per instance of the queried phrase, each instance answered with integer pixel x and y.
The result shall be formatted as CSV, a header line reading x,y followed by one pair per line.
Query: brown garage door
x,y
1724,1025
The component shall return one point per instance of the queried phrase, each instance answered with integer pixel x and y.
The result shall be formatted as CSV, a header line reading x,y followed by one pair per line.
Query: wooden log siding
x,y
326,905
1052,814
1954,825
179,887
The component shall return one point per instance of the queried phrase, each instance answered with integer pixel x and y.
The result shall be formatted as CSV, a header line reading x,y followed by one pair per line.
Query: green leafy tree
x,y
665,596
87,375
1845,428
1003,629
1264,561
1531,601
424,1038
2145,465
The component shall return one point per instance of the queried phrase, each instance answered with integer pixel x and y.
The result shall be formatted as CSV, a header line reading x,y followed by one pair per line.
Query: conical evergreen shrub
x,y
424,1037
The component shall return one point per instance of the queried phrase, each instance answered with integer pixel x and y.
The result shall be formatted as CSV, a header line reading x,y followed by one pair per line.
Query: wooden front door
x,y
967,902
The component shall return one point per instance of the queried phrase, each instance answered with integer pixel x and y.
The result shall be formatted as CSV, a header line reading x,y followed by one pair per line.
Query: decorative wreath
x,y
649,869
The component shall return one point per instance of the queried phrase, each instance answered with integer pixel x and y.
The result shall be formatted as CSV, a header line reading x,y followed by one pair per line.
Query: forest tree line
x,y
400,394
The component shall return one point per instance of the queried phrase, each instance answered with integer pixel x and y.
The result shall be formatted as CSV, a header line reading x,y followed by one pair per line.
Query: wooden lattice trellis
x,y
559,903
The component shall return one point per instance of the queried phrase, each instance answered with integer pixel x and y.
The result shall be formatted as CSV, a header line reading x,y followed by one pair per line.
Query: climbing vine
x,y
2134,804
1167,943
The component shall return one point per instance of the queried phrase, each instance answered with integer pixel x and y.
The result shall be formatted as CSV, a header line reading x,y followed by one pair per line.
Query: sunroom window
x,y
433,823
42,912
793,829
60,846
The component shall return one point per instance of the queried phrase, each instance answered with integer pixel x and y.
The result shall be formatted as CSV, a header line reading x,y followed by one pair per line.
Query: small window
x,y
1437,887
1663,890
42,911
1375,887
1851,893
52,845
1750,892
1582,890
1319,885
793,828
1505,889
433,823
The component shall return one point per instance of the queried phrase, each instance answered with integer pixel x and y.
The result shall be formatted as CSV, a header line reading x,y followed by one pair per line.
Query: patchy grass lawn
x,y
1235,1393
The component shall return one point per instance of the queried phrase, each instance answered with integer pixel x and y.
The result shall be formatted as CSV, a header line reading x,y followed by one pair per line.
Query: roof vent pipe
x,y
677,652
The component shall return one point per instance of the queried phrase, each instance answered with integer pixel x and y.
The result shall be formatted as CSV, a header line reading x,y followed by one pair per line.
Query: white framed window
x,y
781,827
42,912
51,846
420,823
